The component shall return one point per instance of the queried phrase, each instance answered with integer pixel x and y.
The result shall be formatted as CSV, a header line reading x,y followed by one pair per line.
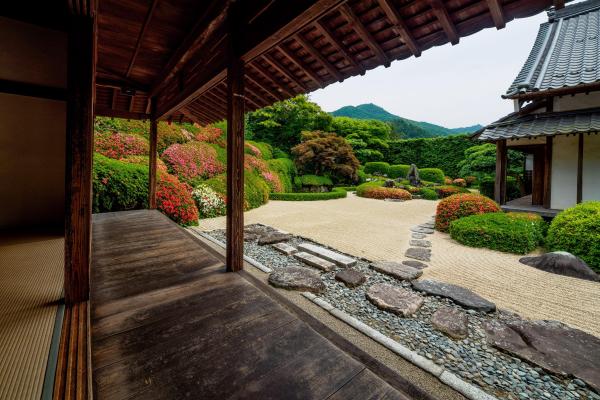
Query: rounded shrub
x,y
377,167
336,193
169,134
432,175
256,191
459,182
427,194
577,230
462,205
174,199
374,190
118,185
445,191
285,169
193,161
398,171
119,145
259,149
518,233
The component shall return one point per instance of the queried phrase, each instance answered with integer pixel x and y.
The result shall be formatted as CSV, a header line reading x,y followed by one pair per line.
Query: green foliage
x,y
286,170
398,171
577,230
336,193
432,175
313,180
375,190
362,177
347,188
486,187
377,167
281,123
362,188
510,232
480,161
256,190
118,185
278,153
368,138
365,111
265,149
427,194
106,124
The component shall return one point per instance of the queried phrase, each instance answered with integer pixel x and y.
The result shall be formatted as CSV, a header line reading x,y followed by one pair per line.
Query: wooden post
x,y
548,172
79,152
537,193
580,169
152,164
500,182
235,142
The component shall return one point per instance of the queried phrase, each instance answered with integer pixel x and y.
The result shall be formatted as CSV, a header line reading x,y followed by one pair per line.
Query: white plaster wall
x,y
577,102
591,168
564,172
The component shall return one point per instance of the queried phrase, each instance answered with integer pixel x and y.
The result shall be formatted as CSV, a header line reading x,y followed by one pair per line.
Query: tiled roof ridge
x,y
573,10
535,116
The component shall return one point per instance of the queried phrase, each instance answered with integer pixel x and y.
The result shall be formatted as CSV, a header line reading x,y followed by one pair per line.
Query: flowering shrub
x,y
209,134
372,190
194,160
174,199
462,205
118,145
459,182
254,164
273,181
252,149
169,134
210,203
144,161
447,180
445,191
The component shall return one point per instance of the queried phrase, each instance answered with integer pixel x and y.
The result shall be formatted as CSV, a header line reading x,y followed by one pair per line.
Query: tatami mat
x,y
31,282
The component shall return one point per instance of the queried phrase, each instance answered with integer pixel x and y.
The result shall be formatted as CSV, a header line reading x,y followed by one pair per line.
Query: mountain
x,y
403,127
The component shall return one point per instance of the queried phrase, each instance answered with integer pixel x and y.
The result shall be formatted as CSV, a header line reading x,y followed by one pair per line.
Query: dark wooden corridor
x,y
168,323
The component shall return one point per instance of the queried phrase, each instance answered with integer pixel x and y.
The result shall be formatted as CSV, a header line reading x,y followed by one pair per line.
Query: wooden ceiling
x,y
173,51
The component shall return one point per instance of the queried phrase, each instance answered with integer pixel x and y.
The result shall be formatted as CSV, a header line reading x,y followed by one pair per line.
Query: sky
x,y
452,86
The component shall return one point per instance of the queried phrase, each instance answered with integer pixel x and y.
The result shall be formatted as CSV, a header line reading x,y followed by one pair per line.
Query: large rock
x,y
397,270
415,264
562,263
418,253
419,236
420,243
314,261
351,277
551,345
394,299
273,237
297,278
451,321
329,255
264,234
459,294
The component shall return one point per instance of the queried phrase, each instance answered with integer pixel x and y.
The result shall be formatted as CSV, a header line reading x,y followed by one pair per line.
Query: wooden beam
x,y
337,44
153,164
108,112
400,26
235,142
442,15
81,62
290,55
580,169
500,180
548,172
269,77
113,99
277,65
497,14
32,90
333,71
357,25
206,108
131,103
273,93
198,109
141,36
189,113
558,4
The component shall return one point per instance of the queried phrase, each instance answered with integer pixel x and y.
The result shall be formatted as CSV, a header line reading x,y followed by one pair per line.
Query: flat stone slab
x,y
314,261
420,243
562,263
419,253
329,255
458,294
418,236
351,277
297,278
420,229
285,248
415,264
428,225
551,345
397,270
273,237
451,322
397,300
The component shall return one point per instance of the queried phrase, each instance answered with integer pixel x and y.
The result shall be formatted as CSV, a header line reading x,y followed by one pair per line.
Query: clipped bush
x,y
118,145
273,180
118,186
255,164
445,191
362,177
459,182
518,233
169,134
313,180
448,180
462,205
374,190
174,199
432,175
286,170
256,191
209,134
259,149
193,161
377,167
145,162
577,230
336,193
427,194
210,203
398,171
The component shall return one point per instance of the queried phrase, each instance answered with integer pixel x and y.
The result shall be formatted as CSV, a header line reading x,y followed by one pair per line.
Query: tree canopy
x,y
368,137
480,161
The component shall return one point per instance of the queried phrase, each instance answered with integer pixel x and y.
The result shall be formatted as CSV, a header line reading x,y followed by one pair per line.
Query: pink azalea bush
x,y
118,145
274,181
209,134
254,164
255,151
193,160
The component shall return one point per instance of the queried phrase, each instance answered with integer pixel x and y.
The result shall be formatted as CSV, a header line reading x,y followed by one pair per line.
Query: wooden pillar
x,y
235,142
537,192
580,169
548,172
500,182
152,164
79,152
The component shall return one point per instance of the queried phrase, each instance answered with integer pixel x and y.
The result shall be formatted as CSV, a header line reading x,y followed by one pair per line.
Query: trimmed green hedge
x,y
378,167
577,230
432,175
427,194
336,193
398,171
118,185
518,233
313,180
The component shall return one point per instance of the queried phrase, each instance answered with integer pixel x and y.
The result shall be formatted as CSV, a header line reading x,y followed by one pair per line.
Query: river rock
x,y
420,243
397,270
459,294
297,278
451,321
418,236
415,264
394,299
389,183
418,253
551,345
351,277
420,229
562,263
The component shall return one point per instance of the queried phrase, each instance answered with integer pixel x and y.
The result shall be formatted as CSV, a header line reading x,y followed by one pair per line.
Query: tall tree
x,y
368,137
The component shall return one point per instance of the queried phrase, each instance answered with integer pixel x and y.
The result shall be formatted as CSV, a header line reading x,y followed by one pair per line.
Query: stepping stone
x,y
451,322
337,258
551,345
285,248
297,278
351,277
397,270
428,225
400,301
418,253
415,264
459,294
562,263
418,236
314,261
273,237
420,229
420,243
